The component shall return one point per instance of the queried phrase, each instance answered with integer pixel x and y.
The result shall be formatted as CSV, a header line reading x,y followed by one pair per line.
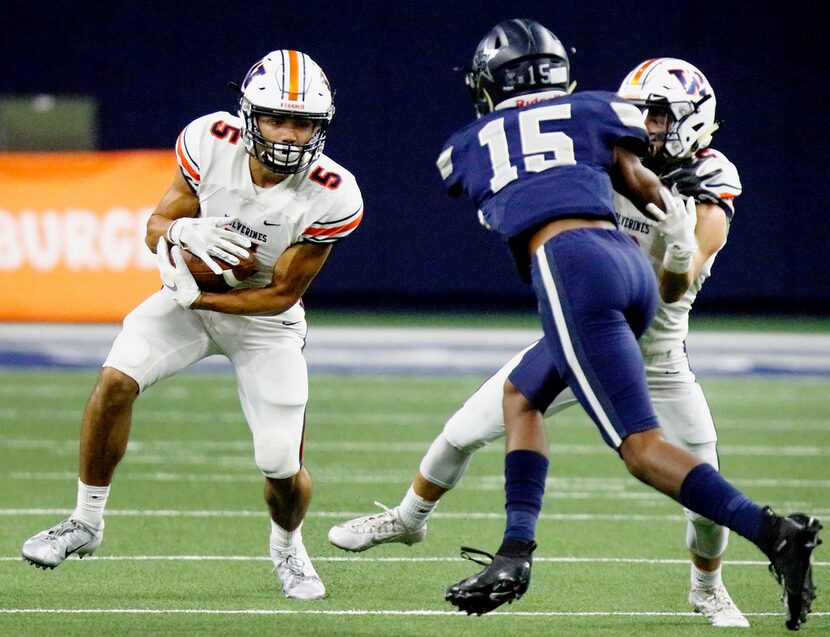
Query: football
x,y
231,275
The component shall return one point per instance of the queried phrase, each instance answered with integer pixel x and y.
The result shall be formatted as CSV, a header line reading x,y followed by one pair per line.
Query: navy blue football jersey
x,y
523,167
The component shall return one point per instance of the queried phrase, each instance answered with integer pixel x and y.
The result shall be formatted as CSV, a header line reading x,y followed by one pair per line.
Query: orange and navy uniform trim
x,y
190,169
331,231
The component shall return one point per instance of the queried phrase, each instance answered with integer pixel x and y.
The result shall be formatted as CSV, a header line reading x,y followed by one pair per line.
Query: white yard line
x,y
510,614
181,451
469,515
564,488
339,515
411,560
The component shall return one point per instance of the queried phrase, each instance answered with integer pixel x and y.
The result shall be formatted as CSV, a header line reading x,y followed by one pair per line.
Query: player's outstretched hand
x,y
208,237
176,278
685,181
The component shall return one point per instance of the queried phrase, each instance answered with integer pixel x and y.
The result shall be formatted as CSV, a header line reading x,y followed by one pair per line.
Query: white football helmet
x,y
679,87
286,84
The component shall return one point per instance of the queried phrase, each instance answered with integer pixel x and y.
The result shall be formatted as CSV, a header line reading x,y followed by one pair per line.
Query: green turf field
x,y
814,324
186,541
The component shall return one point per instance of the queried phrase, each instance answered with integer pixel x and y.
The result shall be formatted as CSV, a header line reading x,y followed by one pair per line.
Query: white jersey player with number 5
x,y
679,109
257,181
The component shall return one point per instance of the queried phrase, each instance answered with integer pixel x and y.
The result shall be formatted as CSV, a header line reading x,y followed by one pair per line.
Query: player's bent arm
x,y
710,233
635,181
293,273
179,201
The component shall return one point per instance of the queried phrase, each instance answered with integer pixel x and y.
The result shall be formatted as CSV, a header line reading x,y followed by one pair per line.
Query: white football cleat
x,y
365,532
717,606
297,575
51,547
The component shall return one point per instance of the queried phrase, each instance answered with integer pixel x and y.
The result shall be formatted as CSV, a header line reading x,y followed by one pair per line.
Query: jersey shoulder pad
x,y
725,184
447,160
194,143
624,122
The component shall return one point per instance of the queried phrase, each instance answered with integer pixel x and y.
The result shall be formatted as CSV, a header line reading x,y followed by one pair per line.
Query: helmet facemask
x,y
279,157
660,123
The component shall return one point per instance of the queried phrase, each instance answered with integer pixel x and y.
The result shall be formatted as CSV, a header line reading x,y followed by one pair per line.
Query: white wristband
x,y
677,260
174,233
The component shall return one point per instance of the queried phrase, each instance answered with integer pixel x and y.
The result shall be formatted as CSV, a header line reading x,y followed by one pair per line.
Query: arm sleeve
x,y
452,180
724,187
188,153
625,125
342,218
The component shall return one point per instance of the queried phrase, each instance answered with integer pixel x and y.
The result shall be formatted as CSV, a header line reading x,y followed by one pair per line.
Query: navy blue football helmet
x,y
515,58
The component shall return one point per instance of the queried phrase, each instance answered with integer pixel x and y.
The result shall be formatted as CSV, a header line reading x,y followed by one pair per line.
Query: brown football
x,y
210,282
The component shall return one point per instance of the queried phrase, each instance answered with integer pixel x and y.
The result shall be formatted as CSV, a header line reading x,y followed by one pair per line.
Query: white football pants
x,y
160,338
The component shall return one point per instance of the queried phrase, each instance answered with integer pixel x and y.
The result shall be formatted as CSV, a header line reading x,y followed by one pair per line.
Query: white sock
x,y
414,510
706,579
282,539
90,506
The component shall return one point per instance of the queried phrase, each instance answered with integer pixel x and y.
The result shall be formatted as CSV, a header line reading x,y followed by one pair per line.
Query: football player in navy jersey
x,y
541,166
679,105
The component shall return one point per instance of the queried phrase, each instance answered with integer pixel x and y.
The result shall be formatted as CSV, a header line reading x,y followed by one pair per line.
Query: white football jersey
x,y
323,204
670,326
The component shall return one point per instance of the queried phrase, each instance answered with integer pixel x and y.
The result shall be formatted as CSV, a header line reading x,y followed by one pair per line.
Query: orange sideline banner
x,y
72,233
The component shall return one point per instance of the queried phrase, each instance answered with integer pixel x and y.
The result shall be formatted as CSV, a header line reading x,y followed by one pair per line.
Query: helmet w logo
x,y
693,82
256,69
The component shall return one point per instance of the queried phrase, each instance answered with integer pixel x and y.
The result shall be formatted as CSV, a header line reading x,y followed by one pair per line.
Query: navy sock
x,y
705,491
524,485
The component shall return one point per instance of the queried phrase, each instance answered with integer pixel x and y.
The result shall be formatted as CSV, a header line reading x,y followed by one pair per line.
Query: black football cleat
x,y
791,562
506,578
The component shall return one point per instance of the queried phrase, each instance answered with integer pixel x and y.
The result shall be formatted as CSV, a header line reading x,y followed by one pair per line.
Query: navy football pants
x,y
597,294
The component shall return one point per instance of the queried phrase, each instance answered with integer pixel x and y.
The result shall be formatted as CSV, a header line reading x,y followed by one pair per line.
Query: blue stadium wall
x,y
154,66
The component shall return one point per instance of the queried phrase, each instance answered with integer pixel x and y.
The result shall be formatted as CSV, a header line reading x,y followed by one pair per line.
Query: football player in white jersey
x,y
253,180
679,107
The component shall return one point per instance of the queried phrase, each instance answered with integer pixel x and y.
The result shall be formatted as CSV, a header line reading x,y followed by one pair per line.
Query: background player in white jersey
x,y
256,180
680,114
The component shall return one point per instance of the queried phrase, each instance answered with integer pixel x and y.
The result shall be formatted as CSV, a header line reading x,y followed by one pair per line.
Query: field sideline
x,y
186,540
444,344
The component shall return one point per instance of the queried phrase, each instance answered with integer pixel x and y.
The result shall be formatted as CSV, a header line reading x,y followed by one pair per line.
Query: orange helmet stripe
x,y
293,75
639,72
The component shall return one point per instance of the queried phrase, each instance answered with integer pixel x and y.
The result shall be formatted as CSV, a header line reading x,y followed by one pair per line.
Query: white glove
x,y
677,227
206,237
176,278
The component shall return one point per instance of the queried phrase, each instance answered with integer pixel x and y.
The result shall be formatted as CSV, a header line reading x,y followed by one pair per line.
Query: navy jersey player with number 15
x,y
541,166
